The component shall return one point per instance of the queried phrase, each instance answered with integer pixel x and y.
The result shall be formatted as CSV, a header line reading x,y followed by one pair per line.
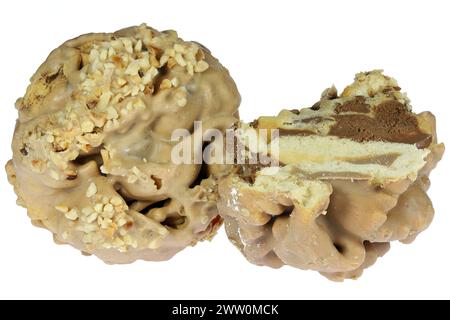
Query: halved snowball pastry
x,y
352,176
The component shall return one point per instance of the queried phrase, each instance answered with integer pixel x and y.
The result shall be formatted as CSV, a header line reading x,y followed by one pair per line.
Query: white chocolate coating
x,y
92,150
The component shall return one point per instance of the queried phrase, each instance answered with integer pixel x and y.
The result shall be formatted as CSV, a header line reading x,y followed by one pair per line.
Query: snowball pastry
x,y
92,149
353,176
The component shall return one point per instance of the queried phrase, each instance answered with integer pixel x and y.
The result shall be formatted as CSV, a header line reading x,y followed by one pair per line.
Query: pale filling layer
x,y
307,193
332,157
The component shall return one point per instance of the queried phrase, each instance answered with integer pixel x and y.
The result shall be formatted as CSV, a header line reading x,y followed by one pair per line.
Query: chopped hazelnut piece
x,y
72,214
201,66
91,190
62,209
165,84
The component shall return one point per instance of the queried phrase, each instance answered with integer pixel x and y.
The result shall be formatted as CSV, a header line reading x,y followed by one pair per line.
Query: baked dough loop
x,y
92,146
353,176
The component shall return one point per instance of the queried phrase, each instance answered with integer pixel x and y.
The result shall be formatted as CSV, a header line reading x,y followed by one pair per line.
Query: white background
x,y
282,54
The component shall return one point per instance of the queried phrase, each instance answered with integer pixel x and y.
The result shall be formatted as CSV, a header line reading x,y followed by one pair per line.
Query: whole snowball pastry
x,y
92,145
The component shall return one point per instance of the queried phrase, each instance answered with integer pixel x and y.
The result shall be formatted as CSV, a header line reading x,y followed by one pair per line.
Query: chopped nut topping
x,y
116,201
92,217
111,113
171,63
50,138
116,78
62,209
91,190
87,126
165,84
108,208
111,72
87,211
175,82
54,175
105,200
121,222
180,60
98,207
201,66
72,214
182,102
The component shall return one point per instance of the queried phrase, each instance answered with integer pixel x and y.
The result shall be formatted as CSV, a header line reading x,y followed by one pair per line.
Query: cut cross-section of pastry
x,y
352,176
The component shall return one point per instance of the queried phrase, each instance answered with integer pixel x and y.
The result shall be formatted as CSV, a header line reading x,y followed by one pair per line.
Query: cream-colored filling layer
x,y
316,154
306,192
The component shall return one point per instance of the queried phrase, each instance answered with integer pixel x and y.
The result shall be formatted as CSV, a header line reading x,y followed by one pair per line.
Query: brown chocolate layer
x,y
357,105
392,122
